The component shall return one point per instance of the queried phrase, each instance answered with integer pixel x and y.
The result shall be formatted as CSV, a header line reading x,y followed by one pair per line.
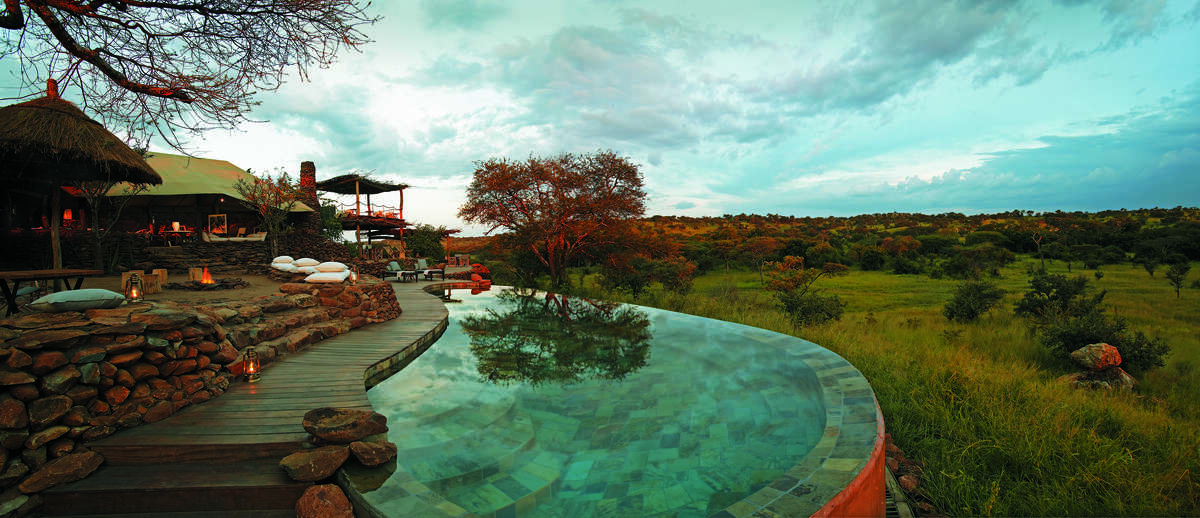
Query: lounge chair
x,y
392,271
439,270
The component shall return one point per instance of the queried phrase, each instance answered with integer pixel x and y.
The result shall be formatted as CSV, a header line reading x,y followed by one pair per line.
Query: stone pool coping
x,y
843,474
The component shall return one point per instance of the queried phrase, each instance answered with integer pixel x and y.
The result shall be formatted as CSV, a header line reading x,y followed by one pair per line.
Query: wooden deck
x,y
240,436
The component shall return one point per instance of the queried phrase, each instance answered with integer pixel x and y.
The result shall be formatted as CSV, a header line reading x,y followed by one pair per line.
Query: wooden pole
x,y
357,220
55,245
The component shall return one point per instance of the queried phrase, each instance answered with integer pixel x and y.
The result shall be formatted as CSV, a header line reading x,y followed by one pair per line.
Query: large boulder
x,y
1112,378
315,464
324,501
67,468
343,425
1097,357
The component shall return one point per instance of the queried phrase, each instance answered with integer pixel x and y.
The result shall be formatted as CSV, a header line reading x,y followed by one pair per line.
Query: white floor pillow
x,y
77,300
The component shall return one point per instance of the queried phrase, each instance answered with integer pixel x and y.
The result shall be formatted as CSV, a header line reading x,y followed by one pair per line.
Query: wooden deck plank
x,y
328,373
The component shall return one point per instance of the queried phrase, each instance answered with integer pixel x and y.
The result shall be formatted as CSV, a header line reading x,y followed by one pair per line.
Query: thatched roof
x,y
49,139
185,175
345,184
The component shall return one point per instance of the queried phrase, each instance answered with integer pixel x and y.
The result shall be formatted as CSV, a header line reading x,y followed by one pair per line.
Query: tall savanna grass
x,y
979,403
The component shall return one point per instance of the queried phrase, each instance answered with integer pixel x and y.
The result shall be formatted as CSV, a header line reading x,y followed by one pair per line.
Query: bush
x,y
985,236
872,258
1056,296
971,300
974,263
805,309
1139,353
903,265
1069,318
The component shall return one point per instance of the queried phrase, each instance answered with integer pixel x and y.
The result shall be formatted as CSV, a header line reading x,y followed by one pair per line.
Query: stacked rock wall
x,y
77,376
72,377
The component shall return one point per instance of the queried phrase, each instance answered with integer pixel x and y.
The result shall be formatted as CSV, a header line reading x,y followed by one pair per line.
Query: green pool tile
x,y
658,450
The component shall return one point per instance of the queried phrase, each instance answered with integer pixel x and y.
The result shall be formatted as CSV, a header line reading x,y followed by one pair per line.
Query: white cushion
x,y
77,300
285,267
307,269
282,259
321,277
306,261
331,266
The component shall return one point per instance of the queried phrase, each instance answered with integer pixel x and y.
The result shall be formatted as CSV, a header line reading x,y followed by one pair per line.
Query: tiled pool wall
x,y
841,476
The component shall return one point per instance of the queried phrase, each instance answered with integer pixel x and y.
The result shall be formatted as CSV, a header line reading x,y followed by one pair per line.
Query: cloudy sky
x,y
794,107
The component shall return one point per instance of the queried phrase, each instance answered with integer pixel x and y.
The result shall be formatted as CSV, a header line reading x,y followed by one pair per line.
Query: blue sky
x,y
794,107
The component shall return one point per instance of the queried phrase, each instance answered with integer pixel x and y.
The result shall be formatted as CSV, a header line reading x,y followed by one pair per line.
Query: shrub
x,y
971,300
1055,296
974,263
985,236
903,265
933,244
872,258
1139,353
810,308
1068,318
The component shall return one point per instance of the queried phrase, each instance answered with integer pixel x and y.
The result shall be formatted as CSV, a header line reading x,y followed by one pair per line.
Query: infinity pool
x,y
560,407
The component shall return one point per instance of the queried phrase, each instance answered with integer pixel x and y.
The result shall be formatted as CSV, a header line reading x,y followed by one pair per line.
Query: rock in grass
x,y
1097,357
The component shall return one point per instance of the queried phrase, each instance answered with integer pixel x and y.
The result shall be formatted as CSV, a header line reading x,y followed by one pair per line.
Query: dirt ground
x,y
259,285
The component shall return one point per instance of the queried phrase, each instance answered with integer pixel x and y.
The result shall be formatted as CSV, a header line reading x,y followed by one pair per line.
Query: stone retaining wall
x,y
72,377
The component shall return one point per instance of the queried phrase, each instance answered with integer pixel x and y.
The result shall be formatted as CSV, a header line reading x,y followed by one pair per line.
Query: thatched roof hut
x,y
49,140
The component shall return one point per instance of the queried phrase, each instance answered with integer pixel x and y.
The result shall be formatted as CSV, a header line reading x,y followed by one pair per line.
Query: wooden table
x,y
65,275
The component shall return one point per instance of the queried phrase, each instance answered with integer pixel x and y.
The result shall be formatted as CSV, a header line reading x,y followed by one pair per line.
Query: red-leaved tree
x,y
272,198
557,207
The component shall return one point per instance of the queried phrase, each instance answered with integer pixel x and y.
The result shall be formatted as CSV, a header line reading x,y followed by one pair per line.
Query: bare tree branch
x,y
166,68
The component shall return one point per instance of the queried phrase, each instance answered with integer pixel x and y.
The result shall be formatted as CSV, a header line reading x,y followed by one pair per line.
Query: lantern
x,y
252,365
135,288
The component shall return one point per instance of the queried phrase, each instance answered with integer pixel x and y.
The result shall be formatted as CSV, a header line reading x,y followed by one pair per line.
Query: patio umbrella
x,y
49,141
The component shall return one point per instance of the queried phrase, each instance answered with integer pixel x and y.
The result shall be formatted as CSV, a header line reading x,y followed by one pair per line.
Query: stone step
x,y
472,456
456,414
259,485
530,480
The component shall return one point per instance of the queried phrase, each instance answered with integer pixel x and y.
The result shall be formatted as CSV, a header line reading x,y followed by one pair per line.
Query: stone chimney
x,y
308,195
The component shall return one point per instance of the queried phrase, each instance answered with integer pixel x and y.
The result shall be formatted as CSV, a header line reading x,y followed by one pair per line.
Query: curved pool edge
x,y
843,475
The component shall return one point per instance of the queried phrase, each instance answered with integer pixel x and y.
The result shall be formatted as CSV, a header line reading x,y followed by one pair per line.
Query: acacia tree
x,y
141,64
558,207
792,285
1177,273
272,198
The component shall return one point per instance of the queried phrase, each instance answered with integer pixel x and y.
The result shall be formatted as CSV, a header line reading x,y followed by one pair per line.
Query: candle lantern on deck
x,y
252,365
135,288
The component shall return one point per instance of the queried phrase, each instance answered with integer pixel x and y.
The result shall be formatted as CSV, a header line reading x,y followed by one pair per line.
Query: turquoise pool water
x,y
563,408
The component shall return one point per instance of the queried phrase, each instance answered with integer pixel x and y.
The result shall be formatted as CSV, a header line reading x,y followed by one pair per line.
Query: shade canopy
x,y
50,140
345,184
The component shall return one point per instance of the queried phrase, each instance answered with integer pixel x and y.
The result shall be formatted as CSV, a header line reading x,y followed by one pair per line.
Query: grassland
x,y
979,405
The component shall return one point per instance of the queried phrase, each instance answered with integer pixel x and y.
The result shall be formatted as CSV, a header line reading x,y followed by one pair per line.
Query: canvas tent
x,y
192,190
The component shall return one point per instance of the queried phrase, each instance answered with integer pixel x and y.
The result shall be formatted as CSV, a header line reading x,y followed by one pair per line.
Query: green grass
x,y
979,405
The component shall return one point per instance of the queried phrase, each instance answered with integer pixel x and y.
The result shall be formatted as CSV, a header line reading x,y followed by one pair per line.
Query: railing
x,y
377,211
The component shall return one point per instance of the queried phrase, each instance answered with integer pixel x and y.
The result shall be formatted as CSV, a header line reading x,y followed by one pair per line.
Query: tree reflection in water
x,y
537,337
